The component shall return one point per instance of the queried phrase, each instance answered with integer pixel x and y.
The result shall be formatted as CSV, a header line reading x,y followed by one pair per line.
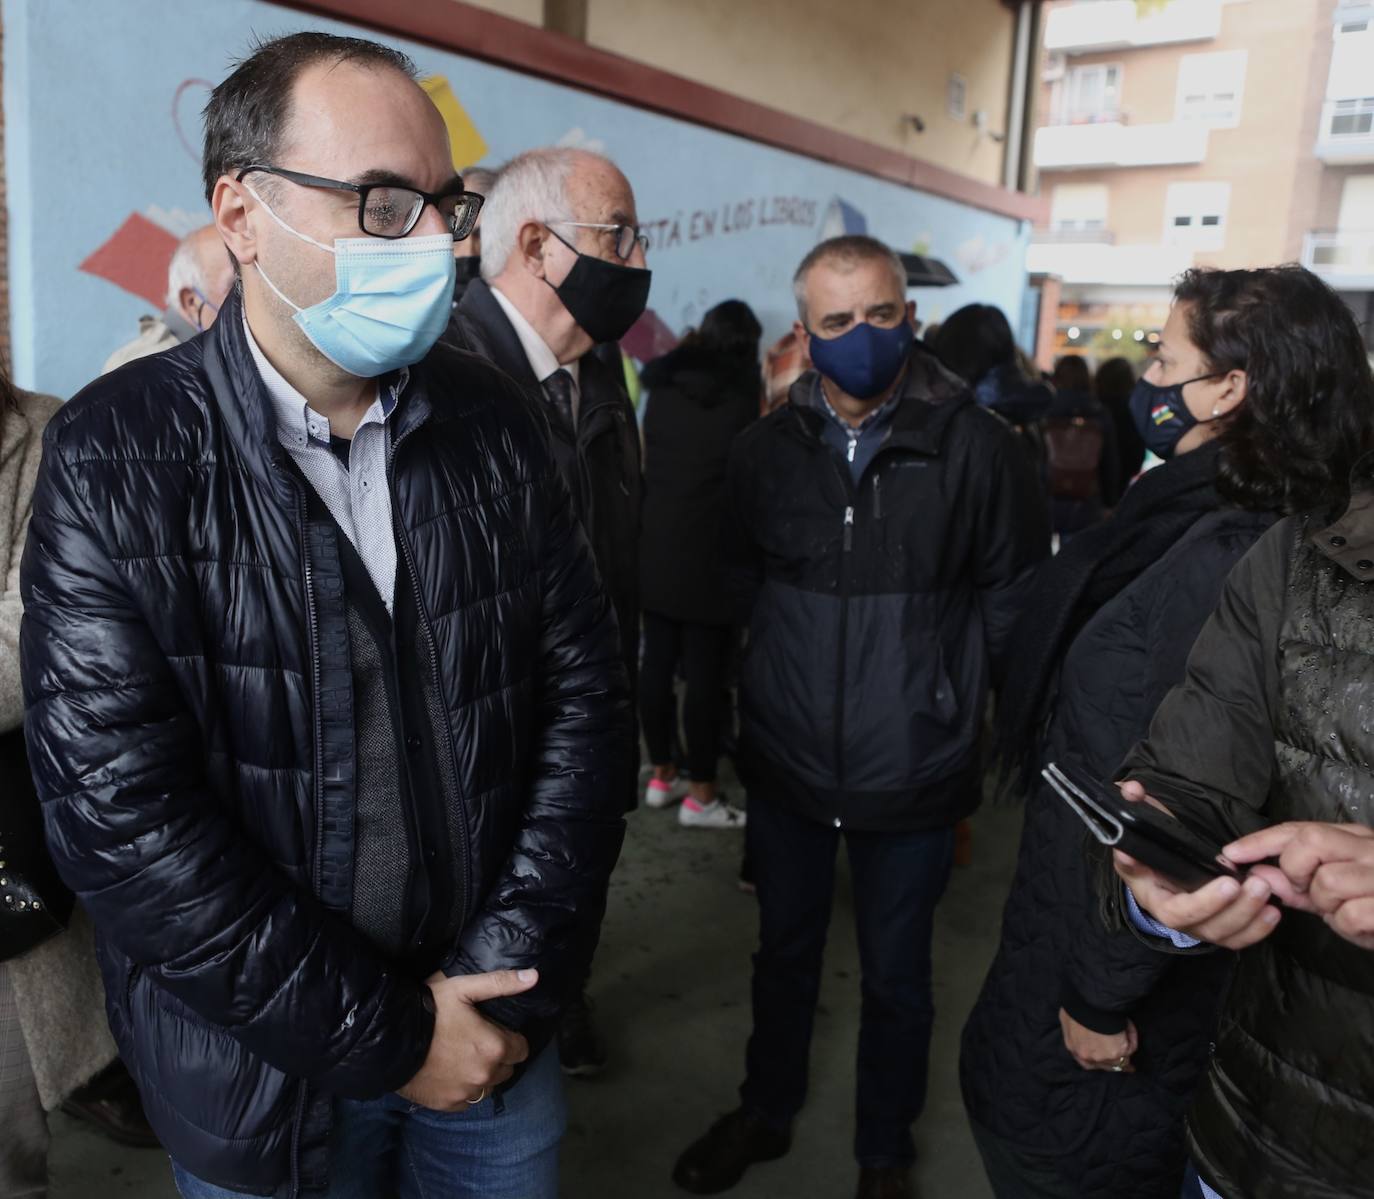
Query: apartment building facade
x,y
1174,133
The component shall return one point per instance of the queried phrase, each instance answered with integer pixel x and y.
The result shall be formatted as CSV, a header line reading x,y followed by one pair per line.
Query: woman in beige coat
x,y
53,1031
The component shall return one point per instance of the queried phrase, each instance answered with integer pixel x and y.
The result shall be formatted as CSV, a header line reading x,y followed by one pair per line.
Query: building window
x,y
1195,214
1210,88
1352,118
1079,208
1090,94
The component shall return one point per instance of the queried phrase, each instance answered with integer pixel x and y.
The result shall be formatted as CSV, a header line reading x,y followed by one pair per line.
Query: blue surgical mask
x,y
392,300
1161,417
865,361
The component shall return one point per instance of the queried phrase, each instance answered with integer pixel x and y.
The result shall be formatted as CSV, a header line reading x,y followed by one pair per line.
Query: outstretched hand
x,y
1326,869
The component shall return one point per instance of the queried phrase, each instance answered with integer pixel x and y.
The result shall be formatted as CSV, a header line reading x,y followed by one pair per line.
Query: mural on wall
x,y
726,217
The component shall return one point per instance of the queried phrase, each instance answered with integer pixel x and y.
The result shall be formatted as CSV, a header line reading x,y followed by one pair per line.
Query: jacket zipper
x,y
313,647
846,556
404,543
877,497
845,560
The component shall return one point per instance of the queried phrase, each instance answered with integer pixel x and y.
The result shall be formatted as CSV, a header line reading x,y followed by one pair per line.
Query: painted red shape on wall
x,y
648,338
136,258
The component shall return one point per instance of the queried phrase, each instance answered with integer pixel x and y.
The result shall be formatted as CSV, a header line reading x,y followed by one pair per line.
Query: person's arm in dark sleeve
x,y
166,873
1115,960
544,909
1209,755
740,556
1011,534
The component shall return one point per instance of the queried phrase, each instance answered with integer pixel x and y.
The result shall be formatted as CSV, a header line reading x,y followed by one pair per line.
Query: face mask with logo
x,y
865,361
392,300
1161,417
604,298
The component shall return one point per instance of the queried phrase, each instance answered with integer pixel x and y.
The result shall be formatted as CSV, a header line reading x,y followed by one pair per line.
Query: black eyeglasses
x,y
388,209
627,237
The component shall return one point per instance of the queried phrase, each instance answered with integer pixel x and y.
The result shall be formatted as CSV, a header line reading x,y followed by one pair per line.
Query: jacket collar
x,y
1349,540
484,327
928,398
493,336
246,408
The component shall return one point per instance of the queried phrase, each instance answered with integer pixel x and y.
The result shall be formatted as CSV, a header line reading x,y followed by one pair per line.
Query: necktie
x,y
558,389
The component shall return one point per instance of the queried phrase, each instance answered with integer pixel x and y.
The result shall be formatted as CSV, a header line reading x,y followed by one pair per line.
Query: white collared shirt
x,y
357,495
542,360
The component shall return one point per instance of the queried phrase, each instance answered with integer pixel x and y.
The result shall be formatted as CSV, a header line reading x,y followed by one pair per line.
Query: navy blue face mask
x,y
1161,417
866,360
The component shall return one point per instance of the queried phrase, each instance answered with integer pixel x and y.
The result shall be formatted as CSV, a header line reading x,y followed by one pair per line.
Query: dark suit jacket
x,y
600,462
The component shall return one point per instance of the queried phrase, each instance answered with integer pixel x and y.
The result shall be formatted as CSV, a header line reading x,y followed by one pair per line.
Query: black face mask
x,y
604,298
1161,415
467,269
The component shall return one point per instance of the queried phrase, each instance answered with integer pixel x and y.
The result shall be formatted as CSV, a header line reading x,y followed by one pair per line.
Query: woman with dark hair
x,y
1084,1046
701,395
976,343
1113,384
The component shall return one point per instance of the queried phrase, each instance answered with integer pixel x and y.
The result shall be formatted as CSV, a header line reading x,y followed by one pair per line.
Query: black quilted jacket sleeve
x,y
1011,537
167,876
544,910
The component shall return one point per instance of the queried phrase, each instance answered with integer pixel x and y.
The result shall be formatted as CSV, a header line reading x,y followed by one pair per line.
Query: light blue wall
x,y
94,133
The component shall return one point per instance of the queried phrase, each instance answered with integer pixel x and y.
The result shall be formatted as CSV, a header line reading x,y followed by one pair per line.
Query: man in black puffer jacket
x,y
883,525
326,707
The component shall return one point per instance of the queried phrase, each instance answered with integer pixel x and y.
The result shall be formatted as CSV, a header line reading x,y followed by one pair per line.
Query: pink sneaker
x,y
659,794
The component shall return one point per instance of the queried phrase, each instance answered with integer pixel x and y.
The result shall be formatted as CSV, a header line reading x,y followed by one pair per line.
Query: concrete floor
x,y
671,987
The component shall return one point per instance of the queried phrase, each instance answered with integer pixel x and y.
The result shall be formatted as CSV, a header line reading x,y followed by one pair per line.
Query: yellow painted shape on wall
x,y
465,143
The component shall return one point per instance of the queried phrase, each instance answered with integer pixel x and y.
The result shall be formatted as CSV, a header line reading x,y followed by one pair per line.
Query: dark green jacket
x,y
1273,723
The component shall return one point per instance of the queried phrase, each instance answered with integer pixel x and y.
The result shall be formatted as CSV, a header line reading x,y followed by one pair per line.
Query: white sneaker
x,y
717,814
658,794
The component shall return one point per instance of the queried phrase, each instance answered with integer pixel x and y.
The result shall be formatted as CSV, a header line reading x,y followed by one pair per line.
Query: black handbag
x,y
34,903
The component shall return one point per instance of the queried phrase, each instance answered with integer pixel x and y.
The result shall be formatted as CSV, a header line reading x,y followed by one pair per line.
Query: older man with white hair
x,y
562,273
198,278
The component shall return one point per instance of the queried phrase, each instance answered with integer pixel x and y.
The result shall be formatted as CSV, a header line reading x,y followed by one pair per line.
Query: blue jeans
x,y
505,1147
898,879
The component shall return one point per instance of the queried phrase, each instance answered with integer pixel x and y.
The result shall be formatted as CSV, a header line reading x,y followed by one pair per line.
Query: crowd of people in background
x,y
330,605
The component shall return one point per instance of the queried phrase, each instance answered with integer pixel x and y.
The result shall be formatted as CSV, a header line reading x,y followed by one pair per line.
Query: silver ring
x,y
1117,1069
482,1094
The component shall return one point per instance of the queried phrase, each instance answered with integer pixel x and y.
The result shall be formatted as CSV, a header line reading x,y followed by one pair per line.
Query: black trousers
x,y
704,651
898,879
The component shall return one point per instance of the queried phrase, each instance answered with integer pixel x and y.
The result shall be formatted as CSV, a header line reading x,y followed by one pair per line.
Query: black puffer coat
x,y
698,402
1271,724
876,611
1112,1135
170,669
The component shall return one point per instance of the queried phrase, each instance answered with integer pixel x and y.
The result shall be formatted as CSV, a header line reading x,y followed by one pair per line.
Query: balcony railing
x,y
1119,25
1088,262
1119,144
1076,237
1113,116
1344,258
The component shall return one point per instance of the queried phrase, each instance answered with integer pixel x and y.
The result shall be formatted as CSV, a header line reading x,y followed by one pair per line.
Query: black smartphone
x,y
1161,842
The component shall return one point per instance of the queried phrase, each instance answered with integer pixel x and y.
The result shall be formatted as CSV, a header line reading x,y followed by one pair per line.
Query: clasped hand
x,y
469,1055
